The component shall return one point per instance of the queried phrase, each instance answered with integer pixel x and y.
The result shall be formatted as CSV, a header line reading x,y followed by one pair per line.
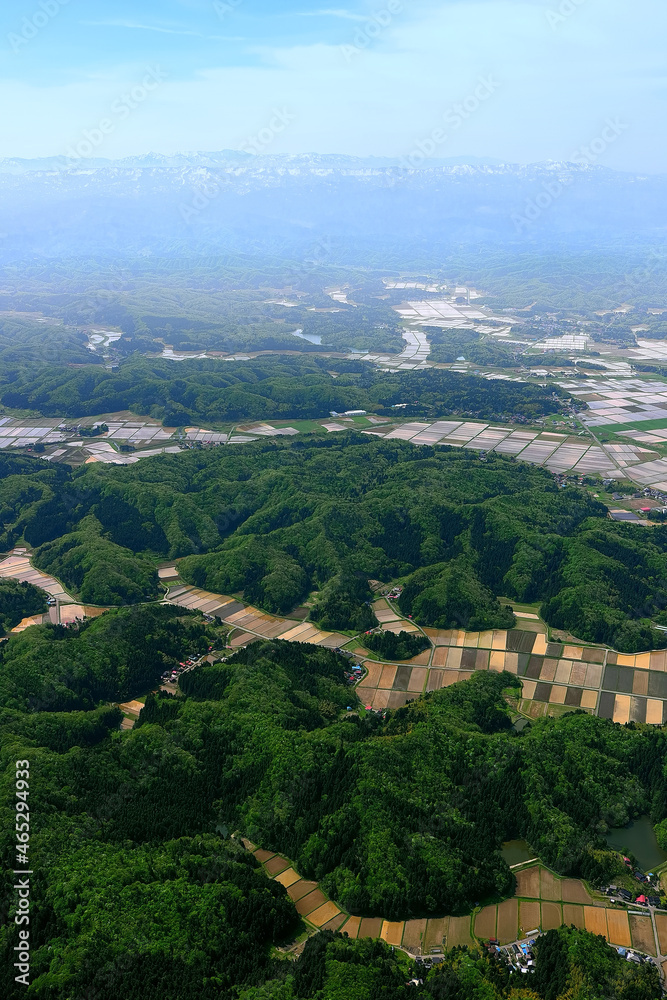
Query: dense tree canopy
x,y
17,601
570,965
114,657
138,887
267,388
276,521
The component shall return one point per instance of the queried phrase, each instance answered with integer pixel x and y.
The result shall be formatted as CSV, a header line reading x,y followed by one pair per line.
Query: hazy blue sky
x,y
364,78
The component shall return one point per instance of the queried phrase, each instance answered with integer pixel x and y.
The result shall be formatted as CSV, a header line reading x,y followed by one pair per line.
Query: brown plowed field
x,y
436,930
308,903
573,914
642,934
277,864
508,921
551,917
459,932
528,882
413,935
300,889
370,927
485,923
661,925
549,885
529,916
574,891
334,924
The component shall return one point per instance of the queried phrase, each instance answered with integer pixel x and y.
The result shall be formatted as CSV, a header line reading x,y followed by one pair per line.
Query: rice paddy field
x,y
543,901
556,676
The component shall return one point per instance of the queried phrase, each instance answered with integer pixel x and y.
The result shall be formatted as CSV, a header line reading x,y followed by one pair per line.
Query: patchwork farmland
x,y
543,901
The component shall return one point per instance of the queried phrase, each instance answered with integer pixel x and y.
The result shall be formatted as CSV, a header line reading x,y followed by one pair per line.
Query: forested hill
x,y
140,884
269,388
275,521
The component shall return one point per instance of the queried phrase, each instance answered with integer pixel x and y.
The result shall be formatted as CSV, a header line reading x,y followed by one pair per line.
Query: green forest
x,y
569,965
17,601
143,881
265,389
275,522
396,645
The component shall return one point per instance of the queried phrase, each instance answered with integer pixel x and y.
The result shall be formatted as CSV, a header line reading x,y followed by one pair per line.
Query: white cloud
x,y
158,28
556,89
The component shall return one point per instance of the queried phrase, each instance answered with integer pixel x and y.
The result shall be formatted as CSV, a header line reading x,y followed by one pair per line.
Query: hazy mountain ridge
x,y
210,202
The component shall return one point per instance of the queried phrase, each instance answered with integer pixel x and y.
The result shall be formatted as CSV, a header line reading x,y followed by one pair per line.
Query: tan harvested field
x,y
529,916
485,923
417,679
574,891
421,659
373,676
413,935
552,917
661,926
370,927
528,882
508,921
392,931
595,920
436,930
263,855
288,877
440,656
387,677
351,927
573,914
618,928
323,914
459,932
549,885
642,934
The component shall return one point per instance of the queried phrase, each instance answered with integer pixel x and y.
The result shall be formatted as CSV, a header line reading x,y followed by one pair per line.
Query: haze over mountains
x,y
332,208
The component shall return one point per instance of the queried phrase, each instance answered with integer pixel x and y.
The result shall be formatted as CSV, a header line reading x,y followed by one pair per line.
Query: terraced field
x,y
543,901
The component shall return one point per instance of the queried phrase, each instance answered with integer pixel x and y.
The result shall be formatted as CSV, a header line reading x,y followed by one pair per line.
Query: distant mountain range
x,y
332,206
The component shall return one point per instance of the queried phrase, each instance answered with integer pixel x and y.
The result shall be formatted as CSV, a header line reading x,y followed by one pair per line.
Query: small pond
x,y
515,852
314,338
638,837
